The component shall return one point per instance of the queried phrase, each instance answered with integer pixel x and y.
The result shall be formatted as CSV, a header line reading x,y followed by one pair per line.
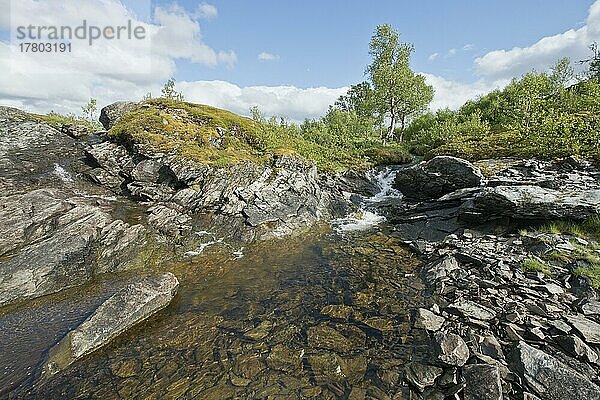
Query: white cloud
x,y
453,94
206,11
452,52
264,56
289,101
107,70
502,64
433,56
468,47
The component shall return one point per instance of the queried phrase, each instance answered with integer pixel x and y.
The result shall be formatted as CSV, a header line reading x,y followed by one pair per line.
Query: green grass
x,y
588,229
186,129
536,265
57,121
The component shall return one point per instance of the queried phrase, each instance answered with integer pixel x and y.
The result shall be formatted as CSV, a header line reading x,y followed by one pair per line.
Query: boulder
x,y
471,309
483,382
534,202
439,176
111,114
549,378
126,308
451,349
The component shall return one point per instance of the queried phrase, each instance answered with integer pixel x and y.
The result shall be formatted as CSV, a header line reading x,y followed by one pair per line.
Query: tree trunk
x,y
402,126
390,133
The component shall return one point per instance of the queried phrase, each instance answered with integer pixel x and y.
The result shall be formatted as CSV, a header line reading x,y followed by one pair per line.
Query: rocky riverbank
x,y
467,292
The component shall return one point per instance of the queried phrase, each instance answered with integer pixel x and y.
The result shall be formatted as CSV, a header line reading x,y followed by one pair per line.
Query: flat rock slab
x,y
470,309
589,329
483,382
126,308
549,378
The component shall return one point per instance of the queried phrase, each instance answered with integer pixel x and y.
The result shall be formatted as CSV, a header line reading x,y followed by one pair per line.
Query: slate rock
x,y
483,382
451,349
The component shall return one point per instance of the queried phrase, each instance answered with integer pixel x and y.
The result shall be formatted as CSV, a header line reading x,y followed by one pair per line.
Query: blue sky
x,y
289,58
326,42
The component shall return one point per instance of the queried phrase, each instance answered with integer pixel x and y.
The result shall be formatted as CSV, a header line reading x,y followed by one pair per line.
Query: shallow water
x,y
321,315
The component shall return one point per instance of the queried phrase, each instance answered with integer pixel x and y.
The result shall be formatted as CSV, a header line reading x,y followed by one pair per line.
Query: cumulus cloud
x,y
108,70
264,56
289,101
453,94
503,64
206,11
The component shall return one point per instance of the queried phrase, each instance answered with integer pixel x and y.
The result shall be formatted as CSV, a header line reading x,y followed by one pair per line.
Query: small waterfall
x,y
367,217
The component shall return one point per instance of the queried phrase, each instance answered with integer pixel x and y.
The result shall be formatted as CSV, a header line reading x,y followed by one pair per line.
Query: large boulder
x,y
535,202
126,308
437,177
549,378
111,114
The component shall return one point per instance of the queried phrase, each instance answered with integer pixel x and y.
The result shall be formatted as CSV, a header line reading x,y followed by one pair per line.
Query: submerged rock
x,y
439,176
549,378
121,311
421,376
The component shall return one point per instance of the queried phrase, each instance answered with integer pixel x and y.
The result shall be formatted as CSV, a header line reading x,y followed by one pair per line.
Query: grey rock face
x,y
589,329
451,349
469,308
534,202
549,378
111,114
124,309
437,177
483,382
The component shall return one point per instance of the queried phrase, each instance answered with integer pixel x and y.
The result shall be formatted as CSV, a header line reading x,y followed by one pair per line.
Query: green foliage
x,y
90,109
536,265
399,93
168,91
588,229
534,116
187,130
56,121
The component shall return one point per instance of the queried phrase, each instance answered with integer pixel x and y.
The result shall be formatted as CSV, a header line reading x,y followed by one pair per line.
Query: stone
x,y
451,349
577,348
112,113
591,307
534,202
589,329
471,309
339,338
147,171
425,319
439,176
421,376
482,382
339,311
284,359
549,378
126,308
329,367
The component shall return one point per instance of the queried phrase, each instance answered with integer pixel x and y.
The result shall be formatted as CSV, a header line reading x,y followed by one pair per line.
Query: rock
x,y
549,378
56,262
328,367
471,309
577,348
121,311
439,176
284,359
451,349
441,268
339,338
147,171
74,130
425,319
483,382
534,202
339,311
591,307
112,113
420,375
589,329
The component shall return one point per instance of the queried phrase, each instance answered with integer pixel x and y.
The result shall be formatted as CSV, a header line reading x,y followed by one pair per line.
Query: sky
x,y
289,58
